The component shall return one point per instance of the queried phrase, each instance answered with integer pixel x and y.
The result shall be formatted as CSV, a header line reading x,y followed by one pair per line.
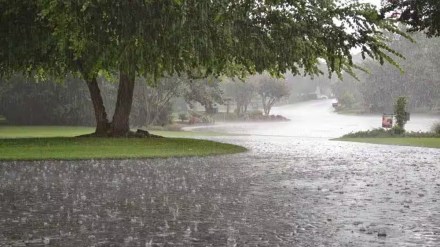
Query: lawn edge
x,y
236,149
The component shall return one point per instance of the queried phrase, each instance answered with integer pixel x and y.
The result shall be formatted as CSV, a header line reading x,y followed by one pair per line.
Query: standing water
x,y
293,188
318,119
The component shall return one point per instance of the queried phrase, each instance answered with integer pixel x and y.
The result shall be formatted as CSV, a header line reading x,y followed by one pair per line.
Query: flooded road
x,y
293,188
318,119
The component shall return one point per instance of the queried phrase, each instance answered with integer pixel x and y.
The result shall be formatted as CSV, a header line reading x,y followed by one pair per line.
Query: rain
x,y
298,189
296,184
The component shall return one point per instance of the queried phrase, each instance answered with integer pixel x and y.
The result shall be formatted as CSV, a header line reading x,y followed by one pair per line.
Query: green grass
x,y
56,143
66,148
42,131
430,142
70,131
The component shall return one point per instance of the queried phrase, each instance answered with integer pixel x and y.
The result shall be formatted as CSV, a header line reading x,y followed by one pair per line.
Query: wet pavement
x,y
297,189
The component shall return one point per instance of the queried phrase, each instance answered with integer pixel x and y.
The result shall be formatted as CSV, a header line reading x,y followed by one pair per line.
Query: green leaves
x,y
420,15
165,37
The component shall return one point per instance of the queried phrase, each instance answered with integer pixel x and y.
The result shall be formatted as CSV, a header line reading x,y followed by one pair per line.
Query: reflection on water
x,y
286,191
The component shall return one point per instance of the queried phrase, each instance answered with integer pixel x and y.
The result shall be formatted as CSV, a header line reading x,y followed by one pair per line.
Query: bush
x,y
200,118
195,114
255,114
397,130
436,128
347,100
207,119
393,132
379,132
183,117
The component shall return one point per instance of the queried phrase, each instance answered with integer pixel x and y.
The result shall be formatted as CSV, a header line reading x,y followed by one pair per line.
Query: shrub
x,y
347,100
397,130
207,119
436,128
255,113
393,132
400,114
183,117
379,132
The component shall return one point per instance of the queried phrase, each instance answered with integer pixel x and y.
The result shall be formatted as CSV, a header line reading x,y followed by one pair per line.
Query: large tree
x,y
201,37
36,40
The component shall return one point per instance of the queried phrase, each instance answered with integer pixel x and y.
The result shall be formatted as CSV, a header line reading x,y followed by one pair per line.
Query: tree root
x,y
130,134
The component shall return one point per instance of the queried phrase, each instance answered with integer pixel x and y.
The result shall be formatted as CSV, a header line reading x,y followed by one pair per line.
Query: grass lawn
x,y
429,142
70,131
42,131
55,142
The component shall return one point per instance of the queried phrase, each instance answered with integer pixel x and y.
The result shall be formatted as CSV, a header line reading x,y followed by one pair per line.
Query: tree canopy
x,y
421,15
153,38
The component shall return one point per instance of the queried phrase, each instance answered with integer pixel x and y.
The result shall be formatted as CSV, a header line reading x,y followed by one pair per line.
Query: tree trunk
x,y
120,123
238,109
265,106
102,124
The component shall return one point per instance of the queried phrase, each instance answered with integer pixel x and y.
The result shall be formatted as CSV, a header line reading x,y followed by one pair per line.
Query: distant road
x,y
317,119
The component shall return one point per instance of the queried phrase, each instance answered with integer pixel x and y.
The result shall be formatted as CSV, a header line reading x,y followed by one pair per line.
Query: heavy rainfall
x,y
229,123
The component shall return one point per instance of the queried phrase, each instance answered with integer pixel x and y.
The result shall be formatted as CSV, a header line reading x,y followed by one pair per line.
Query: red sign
x,y
387,121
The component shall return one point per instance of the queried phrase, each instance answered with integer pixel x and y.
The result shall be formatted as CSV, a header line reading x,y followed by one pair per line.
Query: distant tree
x,y
420,83
25,102
420,15
305,88
206,91
241,92
152,103
271,90
183,117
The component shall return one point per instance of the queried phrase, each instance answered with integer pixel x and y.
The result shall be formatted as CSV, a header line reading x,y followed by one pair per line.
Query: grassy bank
x,y
70,131
56,143
430,142
65,148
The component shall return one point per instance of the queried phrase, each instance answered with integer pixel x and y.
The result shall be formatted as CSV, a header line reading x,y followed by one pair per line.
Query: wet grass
x,y
42,131
430,142
67,148
57,143
71,131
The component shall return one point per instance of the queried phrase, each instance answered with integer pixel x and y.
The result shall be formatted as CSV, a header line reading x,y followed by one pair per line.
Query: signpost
x,y
387,120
